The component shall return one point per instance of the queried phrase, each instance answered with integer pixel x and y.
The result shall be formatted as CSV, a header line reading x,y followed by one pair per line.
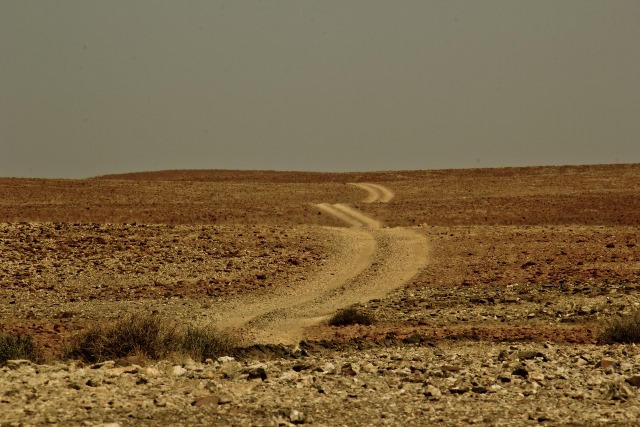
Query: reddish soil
x,y
543,253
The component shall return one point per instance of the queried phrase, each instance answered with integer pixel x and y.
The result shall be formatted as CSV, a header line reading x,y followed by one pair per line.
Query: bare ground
x,y
541,255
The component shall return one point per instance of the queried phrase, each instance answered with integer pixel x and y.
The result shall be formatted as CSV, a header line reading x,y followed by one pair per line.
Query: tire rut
x,y
376,193
368,262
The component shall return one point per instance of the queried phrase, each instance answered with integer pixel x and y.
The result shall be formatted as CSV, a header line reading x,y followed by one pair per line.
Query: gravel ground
x,y
445,383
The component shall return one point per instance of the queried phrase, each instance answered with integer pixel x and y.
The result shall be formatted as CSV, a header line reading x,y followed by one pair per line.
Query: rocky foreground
x,y
448,383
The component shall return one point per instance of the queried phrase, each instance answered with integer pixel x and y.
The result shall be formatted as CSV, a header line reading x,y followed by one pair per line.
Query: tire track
x,y
353,216
340,214
368,261
375,193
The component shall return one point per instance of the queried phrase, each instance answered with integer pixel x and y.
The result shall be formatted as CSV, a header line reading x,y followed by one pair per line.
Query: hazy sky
x,y
96,87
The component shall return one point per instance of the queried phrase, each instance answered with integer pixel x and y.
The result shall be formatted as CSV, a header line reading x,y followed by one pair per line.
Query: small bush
x,y
206,342
147,335
623,329
18,346
350,316
150,336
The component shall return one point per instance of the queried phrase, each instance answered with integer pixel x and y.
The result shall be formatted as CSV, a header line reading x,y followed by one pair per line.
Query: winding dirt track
x,y
367,262
376,193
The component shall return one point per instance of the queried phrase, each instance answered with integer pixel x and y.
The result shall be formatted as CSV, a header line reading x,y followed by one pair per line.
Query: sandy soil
x,y
519,254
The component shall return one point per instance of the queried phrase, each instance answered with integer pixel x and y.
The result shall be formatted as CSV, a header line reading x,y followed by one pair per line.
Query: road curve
x,y
399,255
351,216
367,262
375,193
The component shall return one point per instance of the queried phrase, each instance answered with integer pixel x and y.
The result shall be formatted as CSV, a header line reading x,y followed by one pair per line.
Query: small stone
x,y
605,363
91,382
178,371
328,368
450,368
536,376
296,417
299,367
458,390
494,388
531,354
206,401
521,372
257,373
231,369
432,391
130,360
350,369
369,368
618,391
582,361
634,380
479,389
153,372
226,359
225,398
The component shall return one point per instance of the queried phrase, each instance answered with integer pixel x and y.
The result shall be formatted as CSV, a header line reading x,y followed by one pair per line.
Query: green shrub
x,y
623,329
150,336
18,346
351,316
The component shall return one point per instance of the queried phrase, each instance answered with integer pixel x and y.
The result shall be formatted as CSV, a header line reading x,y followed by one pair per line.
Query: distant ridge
x,y
266,176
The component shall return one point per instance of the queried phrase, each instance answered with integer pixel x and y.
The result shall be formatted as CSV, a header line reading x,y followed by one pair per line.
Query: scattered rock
x,y
536,376
432,391
618,391
231,369
634,380
178,371
131,360
296,417
206,401
350,369
521,372
257,373
458,390
531,354
605,363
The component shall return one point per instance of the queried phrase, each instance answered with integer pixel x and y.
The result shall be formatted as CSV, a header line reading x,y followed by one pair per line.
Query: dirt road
x,y
367,262
376,193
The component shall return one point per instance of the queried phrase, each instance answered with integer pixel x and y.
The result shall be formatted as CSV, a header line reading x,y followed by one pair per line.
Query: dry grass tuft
x,y
17,346
623,329
351,316
207,342
151,336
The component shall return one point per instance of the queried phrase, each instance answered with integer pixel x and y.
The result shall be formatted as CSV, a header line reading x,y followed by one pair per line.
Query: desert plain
x,y
489,288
